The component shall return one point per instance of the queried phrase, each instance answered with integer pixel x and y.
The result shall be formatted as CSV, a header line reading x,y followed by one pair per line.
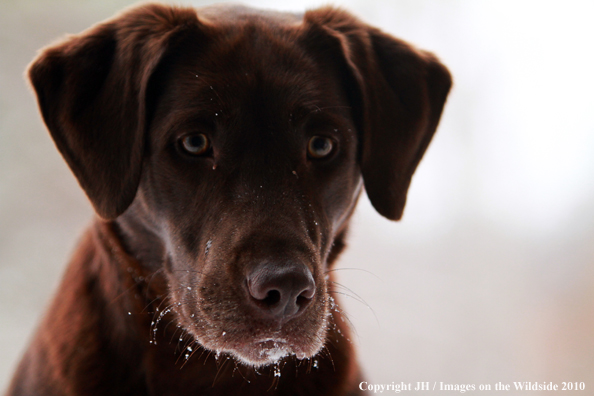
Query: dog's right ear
x,y
92,92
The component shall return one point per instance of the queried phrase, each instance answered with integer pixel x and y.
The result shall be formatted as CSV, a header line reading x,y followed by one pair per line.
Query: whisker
x,y
358,300
152,276
325,348
347,295
350,324
124,292
239,371
207,356
219,371
151,303
353,269
180,355
192,352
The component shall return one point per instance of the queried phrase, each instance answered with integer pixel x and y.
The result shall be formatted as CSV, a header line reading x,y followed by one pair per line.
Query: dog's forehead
x,y
262,104
253,78
247,49
253,69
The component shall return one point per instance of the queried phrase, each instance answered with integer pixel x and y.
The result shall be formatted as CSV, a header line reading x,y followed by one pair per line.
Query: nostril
x,y
303,301
272,297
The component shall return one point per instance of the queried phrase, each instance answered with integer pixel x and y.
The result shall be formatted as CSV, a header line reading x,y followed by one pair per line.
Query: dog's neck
x,y
135,356
98,338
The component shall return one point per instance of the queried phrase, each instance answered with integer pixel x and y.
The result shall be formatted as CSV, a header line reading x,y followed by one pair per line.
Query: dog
x,y
223,150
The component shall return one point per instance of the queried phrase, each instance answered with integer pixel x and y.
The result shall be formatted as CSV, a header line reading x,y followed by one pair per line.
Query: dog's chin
x,y
255,342
268,352
265,352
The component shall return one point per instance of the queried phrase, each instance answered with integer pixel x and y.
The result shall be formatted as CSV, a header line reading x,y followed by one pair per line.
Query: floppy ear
x,y
92,92
397,94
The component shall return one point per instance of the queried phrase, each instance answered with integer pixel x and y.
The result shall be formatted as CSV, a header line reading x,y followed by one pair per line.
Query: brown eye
x,y
197,144
319,147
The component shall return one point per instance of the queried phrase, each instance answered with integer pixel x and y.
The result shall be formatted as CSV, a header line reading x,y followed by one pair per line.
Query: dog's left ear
x,y
397,93
92,91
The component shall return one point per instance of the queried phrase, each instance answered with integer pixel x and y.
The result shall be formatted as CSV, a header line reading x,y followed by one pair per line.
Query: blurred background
x,y
489,276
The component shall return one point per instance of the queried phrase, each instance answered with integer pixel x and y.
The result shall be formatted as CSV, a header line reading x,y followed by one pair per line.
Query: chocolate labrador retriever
x,y
224,150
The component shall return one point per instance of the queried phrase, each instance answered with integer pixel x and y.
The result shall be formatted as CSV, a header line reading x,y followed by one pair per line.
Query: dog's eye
x,y
197,144
319,147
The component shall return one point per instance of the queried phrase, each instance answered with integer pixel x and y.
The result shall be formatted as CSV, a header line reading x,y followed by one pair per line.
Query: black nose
x,y
281,291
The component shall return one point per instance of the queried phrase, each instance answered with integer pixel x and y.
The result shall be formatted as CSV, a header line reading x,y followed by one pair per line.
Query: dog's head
x,y
231,146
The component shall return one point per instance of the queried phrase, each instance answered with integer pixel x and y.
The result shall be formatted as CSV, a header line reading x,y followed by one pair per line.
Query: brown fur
x,y
184,244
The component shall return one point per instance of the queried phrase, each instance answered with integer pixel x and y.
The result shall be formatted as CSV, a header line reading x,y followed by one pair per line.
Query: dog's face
x,y
252,175
237,143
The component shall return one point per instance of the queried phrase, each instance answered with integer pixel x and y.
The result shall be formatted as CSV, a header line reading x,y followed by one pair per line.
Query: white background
x,y
489,277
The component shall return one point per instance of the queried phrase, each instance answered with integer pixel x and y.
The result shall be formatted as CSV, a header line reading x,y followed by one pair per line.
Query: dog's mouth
x,y
277,311
257,343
